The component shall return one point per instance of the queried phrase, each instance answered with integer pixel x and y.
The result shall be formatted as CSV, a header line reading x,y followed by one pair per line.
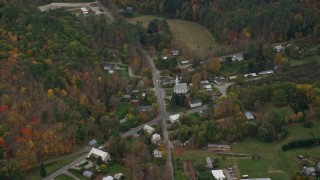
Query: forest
x,y
47,62
229,21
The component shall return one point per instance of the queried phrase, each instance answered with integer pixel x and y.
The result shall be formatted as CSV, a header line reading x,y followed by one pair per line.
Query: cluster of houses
x,y
312,171
87,165
155,139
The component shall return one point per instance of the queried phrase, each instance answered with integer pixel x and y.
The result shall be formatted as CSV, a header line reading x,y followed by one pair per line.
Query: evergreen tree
x,y
43,172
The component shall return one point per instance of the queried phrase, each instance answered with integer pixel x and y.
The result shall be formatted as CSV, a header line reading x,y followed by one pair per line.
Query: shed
x,y
92,143
87,174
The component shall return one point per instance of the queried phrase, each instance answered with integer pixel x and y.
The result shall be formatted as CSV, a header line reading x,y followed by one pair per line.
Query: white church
x,y
180,88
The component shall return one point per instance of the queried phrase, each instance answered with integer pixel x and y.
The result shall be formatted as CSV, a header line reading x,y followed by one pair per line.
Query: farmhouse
x,y
195,103
174,118
156,138
98,153
218,147
148,129
218,174
249,115
237,57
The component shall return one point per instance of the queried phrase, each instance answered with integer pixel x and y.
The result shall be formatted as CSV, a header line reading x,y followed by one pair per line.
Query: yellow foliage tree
x,y
50,93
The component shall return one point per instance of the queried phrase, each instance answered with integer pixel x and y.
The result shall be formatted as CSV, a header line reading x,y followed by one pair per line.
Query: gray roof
x,y
181,86
249,115
87,174
195,101
92,142
146,108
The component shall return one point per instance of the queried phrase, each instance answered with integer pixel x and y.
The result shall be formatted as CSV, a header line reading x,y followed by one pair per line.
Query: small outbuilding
x,y
249,115
92,143
174,118
218,174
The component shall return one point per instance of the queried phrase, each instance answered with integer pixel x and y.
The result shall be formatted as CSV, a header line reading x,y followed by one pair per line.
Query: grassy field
x,y
63,177
50,168
274,163
296,62
122,109
78,175
117,168
191,38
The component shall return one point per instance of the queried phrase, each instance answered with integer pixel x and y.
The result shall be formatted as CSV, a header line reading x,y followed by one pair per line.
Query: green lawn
x,y
190,37
50,168
78,175
274,163
123,73
63,177
233,68
117,168
122,109
295,62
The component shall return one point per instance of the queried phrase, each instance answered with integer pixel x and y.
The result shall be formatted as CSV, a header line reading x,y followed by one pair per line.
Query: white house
x,y
174,118
237,57
278,48
218,174
157,153
118,176
156,138
195,103
180,88
250,74
108,178
148,129
98,153
266,72
249,115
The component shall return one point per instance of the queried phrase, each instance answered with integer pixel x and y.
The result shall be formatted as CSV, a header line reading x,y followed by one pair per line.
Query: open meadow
x,y
274,163
192,39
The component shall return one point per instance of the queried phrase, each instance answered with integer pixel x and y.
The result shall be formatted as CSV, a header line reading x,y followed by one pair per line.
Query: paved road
x,y
65,168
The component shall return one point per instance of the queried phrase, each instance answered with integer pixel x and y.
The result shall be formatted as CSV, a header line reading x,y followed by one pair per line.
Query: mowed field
x,y
192,39
274,163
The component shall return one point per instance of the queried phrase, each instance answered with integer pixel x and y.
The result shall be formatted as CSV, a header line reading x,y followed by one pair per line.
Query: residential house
x,y
156,138
175,52
232,78
146,108
237,57
157,153
218,147
185,62
249,115
309,171
204,82
174,118
250,75
195,103
219,80
218,174
98,153
109,68
118,176
87,174
207,87
318,167
92,143
148,129
177,143
266,72
129,8
278,48
108,178
209,163
126,96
